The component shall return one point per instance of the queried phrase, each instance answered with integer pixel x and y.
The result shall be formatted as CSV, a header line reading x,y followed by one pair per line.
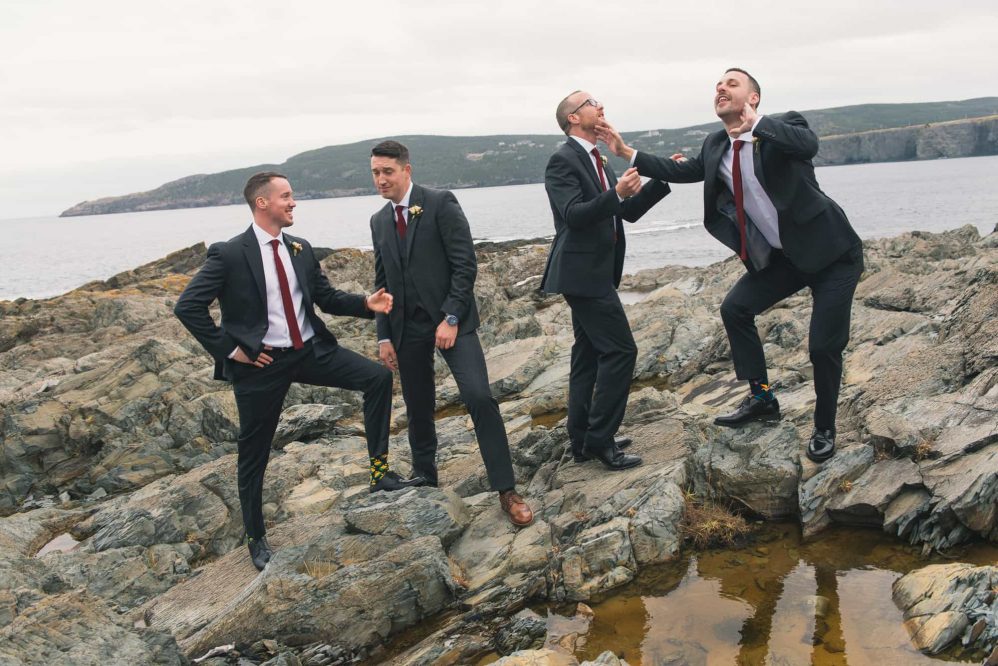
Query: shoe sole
x,y
770,418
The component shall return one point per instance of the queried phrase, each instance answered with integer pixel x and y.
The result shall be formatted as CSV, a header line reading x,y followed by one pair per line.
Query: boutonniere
x,y
415,211
295,248
604,160
755,144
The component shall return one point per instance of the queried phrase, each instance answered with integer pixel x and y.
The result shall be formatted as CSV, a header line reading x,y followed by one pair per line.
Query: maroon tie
x,y
602,181
400,221
289,308
599,168
736,184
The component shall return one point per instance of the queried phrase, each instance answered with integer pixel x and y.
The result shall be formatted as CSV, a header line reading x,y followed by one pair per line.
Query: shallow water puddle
x,y
778,601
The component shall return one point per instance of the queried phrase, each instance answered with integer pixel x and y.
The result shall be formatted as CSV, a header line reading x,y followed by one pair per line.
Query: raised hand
x,y
380,301
629,183
748,117
611,137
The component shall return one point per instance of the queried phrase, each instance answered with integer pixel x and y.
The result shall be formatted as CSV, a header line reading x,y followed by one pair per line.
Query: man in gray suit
x,y
423,252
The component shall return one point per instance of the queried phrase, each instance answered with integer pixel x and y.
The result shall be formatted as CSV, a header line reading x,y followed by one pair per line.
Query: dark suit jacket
x,y
814,231
233,273
441,258
584,260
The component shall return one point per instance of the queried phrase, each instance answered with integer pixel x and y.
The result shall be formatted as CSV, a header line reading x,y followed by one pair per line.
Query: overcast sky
x,y
113,96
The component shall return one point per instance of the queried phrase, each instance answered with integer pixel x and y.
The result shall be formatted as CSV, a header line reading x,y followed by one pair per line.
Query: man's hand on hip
x,y
262,360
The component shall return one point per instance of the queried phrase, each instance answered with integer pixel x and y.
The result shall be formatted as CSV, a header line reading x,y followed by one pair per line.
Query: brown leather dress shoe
x,y
515,508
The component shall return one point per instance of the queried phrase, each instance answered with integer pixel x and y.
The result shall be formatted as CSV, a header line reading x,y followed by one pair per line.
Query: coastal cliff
x,y
118,458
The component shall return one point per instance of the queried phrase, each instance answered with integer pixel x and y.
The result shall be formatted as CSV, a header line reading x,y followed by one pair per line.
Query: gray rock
x,y
409,514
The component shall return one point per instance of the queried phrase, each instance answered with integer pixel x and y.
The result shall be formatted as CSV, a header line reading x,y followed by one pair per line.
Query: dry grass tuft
x,y
845,485
923,450
319,568
710,525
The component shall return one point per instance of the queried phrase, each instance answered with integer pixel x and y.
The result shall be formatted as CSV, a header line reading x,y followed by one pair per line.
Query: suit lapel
x,y
254,257
388,234
416,199
300,270
757,163
587,162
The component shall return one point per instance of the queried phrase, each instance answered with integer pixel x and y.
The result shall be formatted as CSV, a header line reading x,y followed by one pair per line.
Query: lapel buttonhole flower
x,y
604,160
295,248
415,211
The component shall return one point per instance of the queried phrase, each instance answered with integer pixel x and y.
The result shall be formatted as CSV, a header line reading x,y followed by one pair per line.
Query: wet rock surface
x,y
118,457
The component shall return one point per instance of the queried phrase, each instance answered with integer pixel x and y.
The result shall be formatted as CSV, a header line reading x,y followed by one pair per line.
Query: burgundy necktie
x,y
736,184
602,182
289,308
400,221
599,168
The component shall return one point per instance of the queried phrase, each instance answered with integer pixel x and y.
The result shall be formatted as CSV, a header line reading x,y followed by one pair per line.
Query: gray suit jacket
x,y
441,258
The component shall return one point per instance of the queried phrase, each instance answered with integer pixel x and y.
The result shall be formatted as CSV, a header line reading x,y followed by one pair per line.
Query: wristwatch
x,y
451,320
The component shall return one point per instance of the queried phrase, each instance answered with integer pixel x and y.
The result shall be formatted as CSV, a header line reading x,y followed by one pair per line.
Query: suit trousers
x,y
832,290
603,358
260,394
467,363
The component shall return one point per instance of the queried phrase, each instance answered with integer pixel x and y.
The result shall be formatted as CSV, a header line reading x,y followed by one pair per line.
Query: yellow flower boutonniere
x,y
604,160
755,144
415,211
295,248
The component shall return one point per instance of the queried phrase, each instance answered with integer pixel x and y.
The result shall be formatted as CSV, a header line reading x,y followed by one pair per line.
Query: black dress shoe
x,y
751,409
822,445
260,552
392,481
580,457
612,458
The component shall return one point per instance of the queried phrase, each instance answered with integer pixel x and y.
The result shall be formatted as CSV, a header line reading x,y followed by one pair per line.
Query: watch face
x,y
451,319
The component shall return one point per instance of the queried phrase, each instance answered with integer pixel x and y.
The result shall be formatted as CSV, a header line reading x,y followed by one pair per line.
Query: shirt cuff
x,y
233,354
634,156
385,340
757,119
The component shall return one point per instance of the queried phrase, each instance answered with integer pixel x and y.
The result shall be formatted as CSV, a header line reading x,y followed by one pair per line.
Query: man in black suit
x,y
267,284
423,254
761,199
584,265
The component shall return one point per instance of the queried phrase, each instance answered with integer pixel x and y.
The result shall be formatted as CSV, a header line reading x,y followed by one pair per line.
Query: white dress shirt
x,y
758,205
278,334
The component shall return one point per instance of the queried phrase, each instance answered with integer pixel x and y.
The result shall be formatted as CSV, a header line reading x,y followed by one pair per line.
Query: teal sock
x,y
761,390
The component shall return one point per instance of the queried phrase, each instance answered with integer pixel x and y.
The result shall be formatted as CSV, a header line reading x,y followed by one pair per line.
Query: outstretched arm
x,y
669,170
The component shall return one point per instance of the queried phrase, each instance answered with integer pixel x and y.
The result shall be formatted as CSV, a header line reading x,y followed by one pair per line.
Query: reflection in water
x,y
779,602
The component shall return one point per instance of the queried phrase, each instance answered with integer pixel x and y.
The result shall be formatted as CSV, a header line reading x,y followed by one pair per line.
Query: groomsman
x,y
585,264
762,200
267,284
424,255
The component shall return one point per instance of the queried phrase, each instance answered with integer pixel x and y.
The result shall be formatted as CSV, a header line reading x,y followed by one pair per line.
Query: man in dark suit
x,y
424,255
267,284
761,199
584,265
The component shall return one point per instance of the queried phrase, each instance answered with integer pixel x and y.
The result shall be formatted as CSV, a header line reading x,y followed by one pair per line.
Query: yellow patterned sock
x,y
379,467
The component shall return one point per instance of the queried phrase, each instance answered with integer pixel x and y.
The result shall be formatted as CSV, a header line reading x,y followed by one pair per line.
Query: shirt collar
x,y
263,238
585,144
405,200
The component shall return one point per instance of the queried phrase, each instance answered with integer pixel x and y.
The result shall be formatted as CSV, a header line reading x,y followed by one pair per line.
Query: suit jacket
x,y
814,231
233,274
441,258
584,260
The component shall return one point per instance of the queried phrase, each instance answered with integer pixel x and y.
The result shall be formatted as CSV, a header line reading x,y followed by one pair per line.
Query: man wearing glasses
x,y
584,265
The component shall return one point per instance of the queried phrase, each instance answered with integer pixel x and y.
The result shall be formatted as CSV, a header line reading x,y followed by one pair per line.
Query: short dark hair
x,y
257,182
392,149
751,79
563,110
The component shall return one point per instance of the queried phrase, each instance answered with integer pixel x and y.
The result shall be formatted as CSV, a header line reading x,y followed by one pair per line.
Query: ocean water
x,y
46,256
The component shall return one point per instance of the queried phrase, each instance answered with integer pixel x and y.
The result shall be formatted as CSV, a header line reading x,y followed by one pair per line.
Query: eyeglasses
x,y
591,102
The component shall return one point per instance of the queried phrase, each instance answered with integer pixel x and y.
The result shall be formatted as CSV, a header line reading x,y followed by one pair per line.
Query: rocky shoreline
x,y
117,443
